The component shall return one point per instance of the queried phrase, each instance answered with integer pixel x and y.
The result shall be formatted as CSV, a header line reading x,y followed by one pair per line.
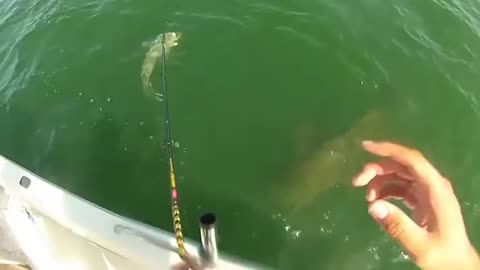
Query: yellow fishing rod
x,y
177,223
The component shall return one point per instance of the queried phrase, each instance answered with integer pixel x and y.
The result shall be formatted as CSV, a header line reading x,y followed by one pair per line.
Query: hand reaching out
x,y
435,236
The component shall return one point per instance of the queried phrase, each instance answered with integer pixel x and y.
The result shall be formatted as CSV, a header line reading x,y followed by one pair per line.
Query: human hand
x,y
435,238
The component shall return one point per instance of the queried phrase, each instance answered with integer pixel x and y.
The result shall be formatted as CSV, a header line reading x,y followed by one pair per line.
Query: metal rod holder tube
x,y
208,233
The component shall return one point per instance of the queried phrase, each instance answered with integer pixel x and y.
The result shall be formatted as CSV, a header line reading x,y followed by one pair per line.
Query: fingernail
x,y
378,211
367,142
371,196
365,177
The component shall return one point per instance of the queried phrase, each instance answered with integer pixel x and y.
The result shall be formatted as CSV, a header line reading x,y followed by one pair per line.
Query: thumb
x,y
400,227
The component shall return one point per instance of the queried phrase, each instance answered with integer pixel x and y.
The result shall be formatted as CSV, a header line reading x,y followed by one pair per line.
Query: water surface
x,y
269,100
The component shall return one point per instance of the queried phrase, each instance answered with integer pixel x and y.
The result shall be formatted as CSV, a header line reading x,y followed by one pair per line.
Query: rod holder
x,y
208,234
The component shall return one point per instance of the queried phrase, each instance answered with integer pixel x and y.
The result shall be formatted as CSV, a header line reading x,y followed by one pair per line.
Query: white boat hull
x,y
56,229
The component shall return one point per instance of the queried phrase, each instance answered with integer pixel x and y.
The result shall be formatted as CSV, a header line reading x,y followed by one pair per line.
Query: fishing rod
x,y
177,223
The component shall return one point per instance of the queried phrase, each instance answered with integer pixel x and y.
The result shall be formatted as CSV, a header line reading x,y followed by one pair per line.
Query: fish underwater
x,y
154,55
329,165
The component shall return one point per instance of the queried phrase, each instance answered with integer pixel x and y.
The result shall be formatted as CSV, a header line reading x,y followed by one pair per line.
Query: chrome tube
x,y
208,233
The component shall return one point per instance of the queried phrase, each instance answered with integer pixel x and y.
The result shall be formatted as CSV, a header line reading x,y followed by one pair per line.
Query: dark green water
x,y
269,100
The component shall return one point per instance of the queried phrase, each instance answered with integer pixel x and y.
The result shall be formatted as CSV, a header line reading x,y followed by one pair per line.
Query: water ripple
x,y
468,95
21,22
277,9
470,51
467,11
210,16
423,39
303,36
19,82
402,47
402,11
7,65
8,12
357,72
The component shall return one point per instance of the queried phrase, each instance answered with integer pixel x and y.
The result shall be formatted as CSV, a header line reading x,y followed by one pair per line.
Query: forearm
x,y
466,260
472,260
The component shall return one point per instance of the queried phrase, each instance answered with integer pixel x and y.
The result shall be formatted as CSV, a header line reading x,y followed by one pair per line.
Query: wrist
x,y
465,259
473,260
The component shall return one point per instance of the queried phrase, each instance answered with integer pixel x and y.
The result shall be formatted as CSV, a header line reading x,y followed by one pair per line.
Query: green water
x,y
261,92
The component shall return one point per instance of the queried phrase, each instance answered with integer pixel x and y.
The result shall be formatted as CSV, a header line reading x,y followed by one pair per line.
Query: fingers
x,y
413,160
436,203
420,216
384,167
375,187
400,227
389,187
386,185
398,190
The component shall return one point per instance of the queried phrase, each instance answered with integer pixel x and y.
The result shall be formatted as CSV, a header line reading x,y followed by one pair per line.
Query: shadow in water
x,y
127,172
